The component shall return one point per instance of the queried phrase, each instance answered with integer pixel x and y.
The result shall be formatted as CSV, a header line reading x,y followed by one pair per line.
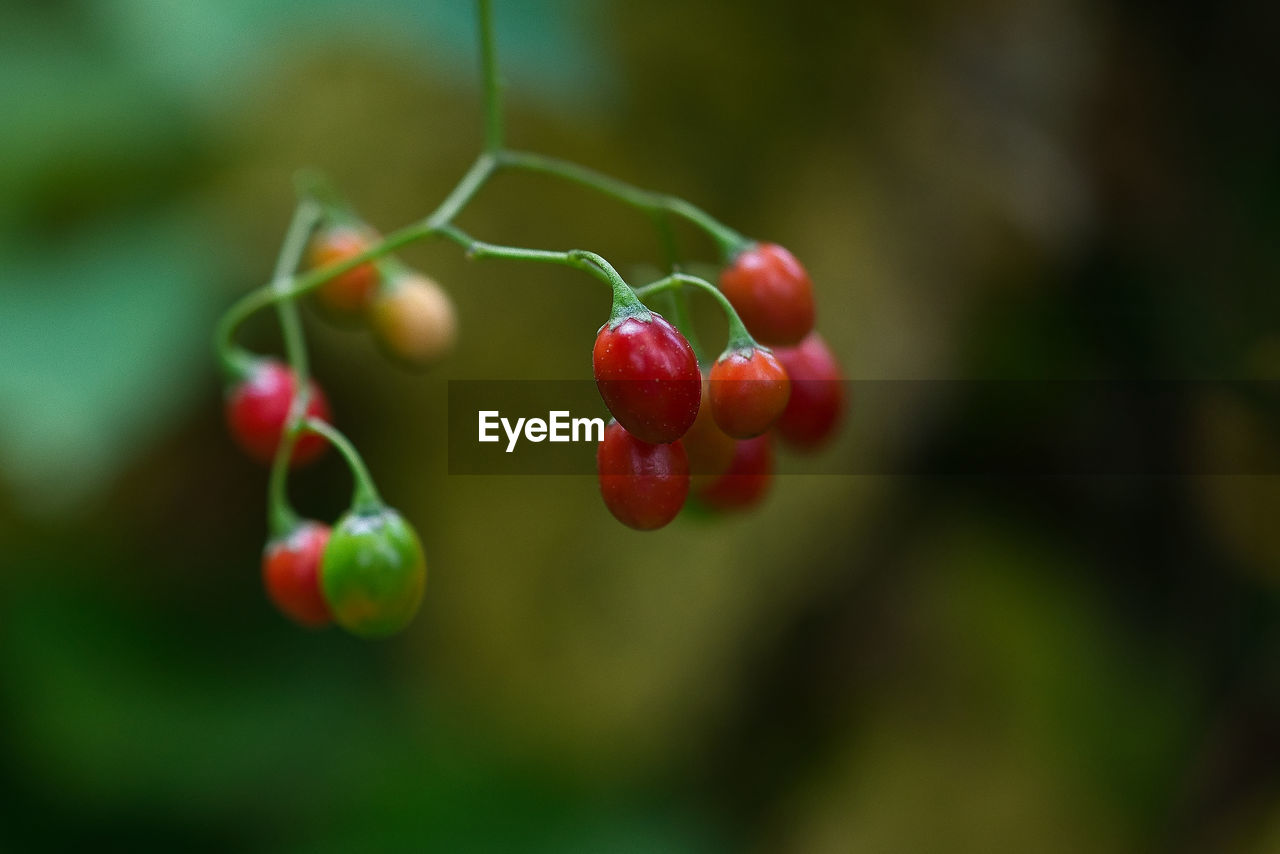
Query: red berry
x,y
749,390
709,449
772,294
351,292
648,377
748,477
817,393
643,485
258,407
291,573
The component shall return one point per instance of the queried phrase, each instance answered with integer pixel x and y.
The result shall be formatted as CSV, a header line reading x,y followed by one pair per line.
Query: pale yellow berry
x,y
414,320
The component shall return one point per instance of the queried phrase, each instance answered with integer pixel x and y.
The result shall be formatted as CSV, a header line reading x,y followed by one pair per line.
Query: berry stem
x,y
730,242
493,131
625,303
305,218
364,494
677,301
281,517
739,337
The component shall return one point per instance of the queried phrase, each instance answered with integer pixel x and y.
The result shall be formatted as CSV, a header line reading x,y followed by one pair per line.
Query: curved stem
x,y
305,218
624,298
493,131
677,301
364,495
730,242
739,337
281,517
472,182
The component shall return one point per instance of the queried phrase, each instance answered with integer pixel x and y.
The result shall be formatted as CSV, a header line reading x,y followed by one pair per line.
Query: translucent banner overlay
x,y
920,427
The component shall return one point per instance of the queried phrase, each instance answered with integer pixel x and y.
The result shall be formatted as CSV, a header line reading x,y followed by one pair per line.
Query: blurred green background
x,y
987,189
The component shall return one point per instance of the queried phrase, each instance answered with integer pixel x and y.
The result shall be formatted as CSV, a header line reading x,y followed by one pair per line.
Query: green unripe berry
x,y
373,572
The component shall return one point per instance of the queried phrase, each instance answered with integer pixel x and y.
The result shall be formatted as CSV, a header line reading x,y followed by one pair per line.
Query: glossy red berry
x,y
648,377
749,390
772,294
350,293
258,407
748,478
710,449
643,485
291,574
817,393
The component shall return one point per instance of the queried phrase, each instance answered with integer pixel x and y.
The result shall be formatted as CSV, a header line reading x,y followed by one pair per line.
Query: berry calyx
x,y
749,390
817,393
748,478
648,376
291,574
644,485
257,408
414,320
772,293
347,294
710,449
373,572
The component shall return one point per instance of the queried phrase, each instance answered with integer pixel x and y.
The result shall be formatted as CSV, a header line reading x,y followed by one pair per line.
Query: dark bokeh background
x,y
988,189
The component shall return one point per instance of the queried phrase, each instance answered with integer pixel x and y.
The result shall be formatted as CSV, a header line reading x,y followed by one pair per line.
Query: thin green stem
x,y
729,241
739,337
281,517
304,221
624,299
493,132
677,301
472,182
364,494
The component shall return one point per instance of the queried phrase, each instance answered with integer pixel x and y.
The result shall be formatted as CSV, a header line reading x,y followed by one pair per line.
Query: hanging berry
x,y
291,574
749,390
644,485
648,376
373,572
748,478
414,320
257,408
771,292
348,294
817,393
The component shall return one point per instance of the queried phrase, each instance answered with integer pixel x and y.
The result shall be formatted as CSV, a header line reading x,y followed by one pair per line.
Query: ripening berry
x,y
710,449
772,294
373,572
291,574
648,377
643,485
748,477
414,320
749,390
817,393
349,294
258,407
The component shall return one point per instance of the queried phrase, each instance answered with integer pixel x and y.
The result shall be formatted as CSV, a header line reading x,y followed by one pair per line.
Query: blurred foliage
x,y
993,189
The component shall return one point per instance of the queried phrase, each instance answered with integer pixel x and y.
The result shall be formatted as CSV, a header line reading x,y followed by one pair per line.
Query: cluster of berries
x,y
664,441
367,572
